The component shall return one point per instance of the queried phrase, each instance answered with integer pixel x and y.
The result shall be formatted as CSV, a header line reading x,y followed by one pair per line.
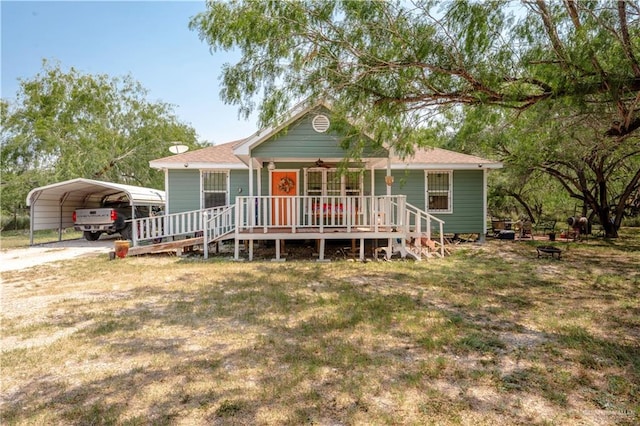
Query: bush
x,y
14,221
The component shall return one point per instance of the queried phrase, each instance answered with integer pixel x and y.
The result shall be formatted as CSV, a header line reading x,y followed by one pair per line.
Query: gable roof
x,y
243,149
237,154
222,157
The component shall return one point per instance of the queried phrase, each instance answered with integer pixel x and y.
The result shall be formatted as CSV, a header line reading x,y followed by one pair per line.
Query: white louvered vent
x,y
320,123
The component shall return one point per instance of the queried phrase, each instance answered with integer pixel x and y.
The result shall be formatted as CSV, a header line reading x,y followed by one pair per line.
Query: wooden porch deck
x,y
259,218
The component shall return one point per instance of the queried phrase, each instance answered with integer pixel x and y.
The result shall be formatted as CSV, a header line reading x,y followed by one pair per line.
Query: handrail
x,y
419,216
263,213
220,224
171,225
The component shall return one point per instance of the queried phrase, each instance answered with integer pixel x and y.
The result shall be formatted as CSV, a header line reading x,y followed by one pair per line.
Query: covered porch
x,y
403,228
406,229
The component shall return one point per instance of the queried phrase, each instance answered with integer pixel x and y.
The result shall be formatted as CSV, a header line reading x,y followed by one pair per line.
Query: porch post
x,y
250,177
252,204
321,253
259,179
373,181
388,174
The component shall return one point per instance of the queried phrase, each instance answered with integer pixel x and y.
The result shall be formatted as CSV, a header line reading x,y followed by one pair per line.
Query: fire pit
x,y
548,250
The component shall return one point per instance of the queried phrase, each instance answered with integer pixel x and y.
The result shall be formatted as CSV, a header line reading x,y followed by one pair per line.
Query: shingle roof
x,y
440,156
223,155
215,154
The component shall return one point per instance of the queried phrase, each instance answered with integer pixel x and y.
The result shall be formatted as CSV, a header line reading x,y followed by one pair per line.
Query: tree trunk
x,y
525,205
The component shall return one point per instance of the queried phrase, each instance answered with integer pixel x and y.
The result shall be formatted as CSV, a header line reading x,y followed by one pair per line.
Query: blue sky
x,y
150,40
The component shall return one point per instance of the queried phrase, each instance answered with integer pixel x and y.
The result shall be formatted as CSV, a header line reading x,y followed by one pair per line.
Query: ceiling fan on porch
x,y
321,163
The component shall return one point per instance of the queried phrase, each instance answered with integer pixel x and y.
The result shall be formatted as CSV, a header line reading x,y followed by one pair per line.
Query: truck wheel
x,y
126,232
91,236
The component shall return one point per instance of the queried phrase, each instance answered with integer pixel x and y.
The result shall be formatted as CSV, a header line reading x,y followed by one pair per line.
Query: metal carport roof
x,y
52,205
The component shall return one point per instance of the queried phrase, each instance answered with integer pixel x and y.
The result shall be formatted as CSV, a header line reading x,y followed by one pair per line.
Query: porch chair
x,y
497,226
526,229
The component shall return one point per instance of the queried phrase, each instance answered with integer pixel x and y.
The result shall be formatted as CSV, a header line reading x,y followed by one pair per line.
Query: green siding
x,y
301,141
467,216
183,190
239,184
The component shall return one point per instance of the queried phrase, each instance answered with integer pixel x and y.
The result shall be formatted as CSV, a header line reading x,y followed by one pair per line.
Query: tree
x,y
400,65
65,124
596,171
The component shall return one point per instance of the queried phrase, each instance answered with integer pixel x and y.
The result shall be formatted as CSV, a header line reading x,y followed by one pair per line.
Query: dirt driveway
x,y
16,259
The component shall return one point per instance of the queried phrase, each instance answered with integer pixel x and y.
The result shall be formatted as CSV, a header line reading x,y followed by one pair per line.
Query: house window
x,y
214,189
438,186
332,183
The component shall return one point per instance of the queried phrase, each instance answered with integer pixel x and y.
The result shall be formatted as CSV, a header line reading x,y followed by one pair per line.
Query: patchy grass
x,y
20,238
488,335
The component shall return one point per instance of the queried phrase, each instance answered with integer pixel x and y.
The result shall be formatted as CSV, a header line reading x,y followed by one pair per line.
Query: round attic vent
x,y
320,123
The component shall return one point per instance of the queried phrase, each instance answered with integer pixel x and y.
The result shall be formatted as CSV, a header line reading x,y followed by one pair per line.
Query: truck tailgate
x,y
93,216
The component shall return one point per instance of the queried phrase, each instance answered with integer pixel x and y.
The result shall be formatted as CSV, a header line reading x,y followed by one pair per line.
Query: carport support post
x,y
32,203
60,225
31,225
62,200
134,240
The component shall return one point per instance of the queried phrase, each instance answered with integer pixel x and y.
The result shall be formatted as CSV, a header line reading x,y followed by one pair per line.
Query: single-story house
x,y
288,182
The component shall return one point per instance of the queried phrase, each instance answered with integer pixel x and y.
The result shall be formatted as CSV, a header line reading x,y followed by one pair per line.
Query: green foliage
x,y
14,220
559,162
400,62
549,87
66,124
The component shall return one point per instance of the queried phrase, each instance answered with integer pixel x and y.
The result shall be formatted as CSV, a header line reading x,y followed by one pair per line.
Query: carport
x,y
52,206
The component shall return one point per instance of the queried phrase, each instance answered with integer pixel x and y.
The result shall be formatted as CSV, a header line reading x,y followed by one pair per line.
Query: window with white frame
x,y
438,191
214,188
330,182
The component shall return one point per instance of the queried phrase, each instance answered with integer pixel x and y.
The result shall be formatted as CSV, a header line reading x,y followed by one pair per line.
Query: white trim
x,y
244,148
388,173
258,179
166,188
199,165
444,166
450,192
343,177
227,191
320,123
484,204
366,161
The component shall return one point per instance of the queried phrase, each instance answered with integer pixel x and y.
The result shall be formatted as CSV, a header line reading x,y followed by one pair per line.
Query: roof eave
x,y
197,165
445,166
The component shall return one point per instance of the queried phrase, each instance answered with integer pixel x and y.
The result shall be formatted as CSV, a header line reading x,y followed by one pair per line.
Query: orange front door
x,y
283,184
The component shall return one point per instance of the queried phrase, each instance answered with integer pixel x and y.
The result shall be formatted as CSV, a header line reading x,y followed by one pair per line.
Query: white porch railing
x,y
171,225
421,225
321,212
260,214
220,224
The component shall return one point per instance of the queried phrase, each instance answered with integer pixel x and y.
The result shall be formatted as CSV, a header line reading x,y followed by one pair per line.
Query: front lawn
x,y
490,335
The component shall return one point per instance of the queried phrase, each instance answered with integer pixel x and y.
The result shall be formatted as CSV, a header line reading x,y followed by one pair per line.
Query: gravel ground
x,y
16,259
